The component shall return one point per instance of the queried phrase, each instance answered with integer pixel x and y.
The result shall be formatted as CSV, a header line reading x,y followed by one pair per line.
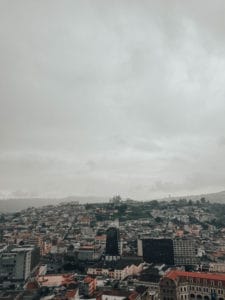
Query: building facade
x,y
217,267
112,250
118,273
185,252
16,264
178,252
181,285
157,251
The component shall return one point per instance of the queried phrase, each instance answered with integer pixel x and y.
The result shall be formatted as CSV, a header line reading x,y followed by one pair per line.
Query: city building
x,y
89,252
112,251
185,252
181,285
56,280
179,251
119,269
217,267
17,263
156,251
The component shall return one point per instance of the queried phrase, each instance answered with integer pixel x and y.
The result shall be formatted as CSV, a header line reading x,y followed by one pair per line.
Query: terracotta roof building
x,y
183,285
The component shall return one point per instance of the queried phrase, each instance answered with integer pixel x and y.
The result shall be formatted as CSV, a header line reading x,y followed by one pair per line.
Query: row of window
x,y
182,297
200,297
212,282
204,289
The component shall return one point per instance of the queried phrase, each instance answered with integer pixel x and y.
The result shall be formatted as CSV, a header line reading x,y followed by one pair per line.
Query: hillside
x,y
17,204
13,205
212,197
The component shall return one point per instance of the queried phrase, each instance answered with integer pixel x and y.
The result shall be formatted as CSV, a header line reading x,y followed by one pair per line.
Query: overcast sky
x,y
112,97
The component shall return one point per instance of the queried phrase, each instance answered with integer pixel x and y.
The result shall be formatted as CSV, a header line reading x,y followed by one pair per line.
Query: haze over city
x,y
112,97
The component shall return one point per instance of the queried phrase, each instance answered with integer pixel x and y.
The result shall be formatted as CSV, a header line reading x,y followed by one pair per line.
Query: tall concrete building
x,y
179,251
185,252
158,251
112,251
17,263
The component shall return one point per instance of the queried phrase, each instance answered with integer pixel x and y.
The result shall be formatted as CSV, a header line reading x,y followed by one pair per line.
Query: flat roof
x,y
55,280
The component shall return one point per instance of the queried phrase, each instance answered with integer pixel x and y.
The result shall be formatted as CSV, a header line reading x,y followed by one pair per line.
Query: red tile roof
x,y
55,280
175,274
88,279
32,285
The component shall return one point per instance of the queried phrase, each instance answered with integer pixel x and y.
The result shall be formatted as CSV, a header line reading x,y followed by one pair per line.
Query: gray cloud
x,y
104,97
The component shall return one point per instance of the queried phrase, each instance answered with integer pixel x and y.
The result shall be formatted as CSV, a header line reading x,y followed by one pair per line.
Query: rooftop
x,y
119,264
175,274
55,280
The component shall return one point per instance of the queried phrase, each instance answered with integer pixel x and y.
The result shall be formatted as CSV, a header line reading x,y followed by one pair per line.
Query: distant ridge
x,y
218,197
17,204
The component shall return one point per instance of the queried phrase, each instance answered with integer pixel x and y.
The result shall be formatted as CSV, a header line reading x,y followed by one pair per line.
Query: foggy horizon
x,y
100,98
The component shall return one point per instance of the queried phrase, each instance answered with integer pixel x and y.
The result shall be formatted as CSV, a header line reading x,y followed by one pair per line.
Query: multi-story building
x,y
217,267
181,285
119,270
179,252
89,252
185,252
17,263
156,250
112,251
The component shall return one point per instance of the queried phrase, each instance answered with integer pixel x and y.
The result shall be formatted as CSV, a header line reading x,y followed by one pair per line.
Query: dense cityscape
x,y
122,249
112,150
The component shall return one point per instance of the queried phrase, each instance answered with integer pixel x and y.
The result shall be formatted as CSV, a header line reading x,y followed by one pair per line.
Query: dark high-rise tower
x,y
112,244
158,251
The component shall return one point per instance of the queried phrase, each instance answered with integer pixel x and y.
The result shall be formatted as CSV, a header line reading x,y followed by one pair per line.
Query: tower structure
x,y
112,251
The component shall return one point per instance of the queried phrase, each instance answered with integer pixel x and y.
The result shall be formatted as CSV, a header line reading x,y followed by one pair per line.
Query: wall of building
x,y
158,251
185,252
195,288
